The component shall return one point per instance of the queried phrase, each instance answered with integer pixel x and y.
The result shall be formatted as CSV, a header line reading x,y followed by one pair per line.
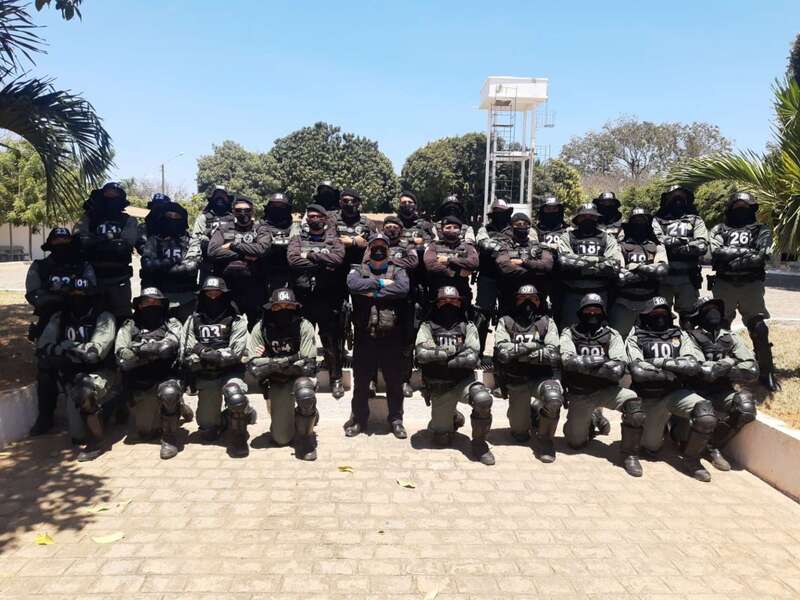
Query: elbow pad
x,y
430,355
572,262
683,365
728,253
743,375
467,359
712,371
260,372
639,374
698,247
613,370
167,348
506,353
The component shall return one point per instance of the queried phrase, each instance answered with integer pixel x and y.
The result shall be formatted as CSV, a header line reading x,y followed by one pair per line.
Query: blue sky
x,y
171,76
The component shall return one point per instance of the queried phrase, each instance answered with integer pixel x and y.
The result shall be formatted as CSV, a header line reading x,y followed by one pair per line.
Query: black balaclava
x,y
550,220
657,322
500,219
677,205
590,323
65,253
220,204
172,226
587,227
278,214
79,305
149,317
283,318
328,198
448,315
243,216
521,228
608,211
407,211
527,311
213,308
350,208
639,230
740,216
711,319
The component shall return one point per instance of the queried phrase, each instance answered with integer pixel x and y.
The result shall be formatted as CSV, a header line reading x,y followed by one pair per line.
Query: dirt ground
x,y
16,352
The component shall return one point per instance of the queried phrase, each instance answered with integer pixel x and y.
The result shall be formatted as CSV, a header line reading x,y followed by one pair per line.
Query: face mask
x,y
173,227
659,323
392,234
549,220
448,315
638,231
378,253
79,305
316,226
607,210
111,206
712,319
213,307
501,220
677,207
591,322
407,210
526,311
283,318
451,236
349,209
587,227
742,216
277,214
220,206
243,218
63,253
521,233
327,199
149,317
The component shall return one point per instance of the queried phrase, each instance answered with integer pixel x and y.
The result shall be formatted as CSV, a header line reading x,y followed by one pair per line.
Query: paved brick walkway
x,y
269,526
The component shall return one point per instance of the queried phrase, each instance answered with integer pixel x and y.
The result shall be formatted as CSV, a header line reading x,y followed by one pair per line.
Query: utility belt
x,y
636,296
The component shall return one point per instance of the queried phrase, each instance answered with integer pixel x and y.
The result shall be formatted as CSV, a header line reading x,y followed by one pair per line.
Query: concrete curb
x,y
18,411
770,450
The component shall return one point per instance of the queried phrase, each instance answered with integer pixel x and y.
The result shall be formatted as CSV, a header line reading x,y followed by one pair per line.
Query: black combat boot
x,y
480,448
94,438
600,425
305,448
545,432
762,347
719,462
237,433
169,430
630,448
695,446
408,391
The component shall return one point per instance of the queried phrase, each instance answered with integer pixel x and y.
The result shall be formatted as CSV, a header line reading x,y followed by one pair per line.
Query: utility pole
x,y
163,184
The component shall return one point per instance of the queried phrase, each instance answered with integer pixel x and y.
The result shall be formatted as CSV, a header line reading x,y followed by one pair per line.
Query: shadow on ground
x,y
16,352
43,489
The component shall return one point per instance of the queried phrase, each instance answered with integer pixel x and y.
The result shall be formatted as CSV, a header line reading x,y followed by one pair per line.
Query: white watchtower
x,y
510,104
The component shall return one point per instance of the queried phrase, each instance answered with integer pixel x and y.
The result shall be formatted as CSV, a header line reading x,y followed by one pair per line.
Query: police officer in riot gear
x,y
327,196
450,260
45,284
107,237
170,259
452,206
686,239
740,249
608,205
522,260
147,349
282,358
593,360
315,256
490,241
278,221
237,249
213,342
526,352
446,349
589,259
415,228
663,359
727,362
644,266
548,229
74,348
379,288
218,210
147,227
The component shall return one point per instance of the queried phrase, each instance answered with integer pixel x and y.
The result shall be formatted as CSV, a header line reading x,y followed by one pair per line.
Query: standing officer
x,y
686,239
107,237
644,265
237,249
282,358
450,260
315,255
727,362
378,288
327,196
278,222
663,359
549,228
147,349
610,216
73,348
490,241
217,211
146,228
213,342
452,206
522,260
589,259
447,351
526,352
415,228
45,284
593,359
170,259
740,249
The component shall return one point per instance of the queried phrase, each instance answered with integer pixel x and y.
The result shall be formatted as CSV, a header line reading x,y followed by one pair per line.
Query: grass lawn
x,y
17,368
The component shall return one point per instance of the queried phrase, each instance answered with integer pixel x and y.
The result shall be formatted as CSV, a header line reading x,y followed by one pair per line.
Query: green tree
x,y
312,154
61,126
251,174
634,150
794,60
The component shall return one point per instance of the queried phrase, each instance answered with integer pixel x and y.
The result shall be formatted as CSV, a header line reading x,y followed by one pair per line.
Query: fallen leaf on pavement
x,y
44,539
110,538
345,469
406,483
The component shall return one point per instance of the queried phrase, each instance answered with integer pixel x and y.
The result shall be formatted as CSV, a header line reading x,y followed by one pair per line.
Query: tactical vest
x,y
534,332
612,229
276,255
682,227
145,376
175,283
213,334
739,237
455,337
548,238
238,269
410,232
596,344
594,245
657,345
110,255
436,280
214,221
387,312
319,279
79,330
713,350
634,253
353,255
57,276
279,342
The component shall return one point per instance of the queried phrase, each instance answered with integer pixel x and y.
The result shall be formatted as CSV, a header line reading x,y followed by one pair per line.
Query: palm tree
x,y
62,127
774,177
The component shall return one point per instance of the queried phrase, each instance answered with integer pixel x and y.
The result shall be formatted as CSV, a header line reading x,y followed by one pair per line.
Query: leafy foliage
x,y
251,174
774,177
793,69
68,8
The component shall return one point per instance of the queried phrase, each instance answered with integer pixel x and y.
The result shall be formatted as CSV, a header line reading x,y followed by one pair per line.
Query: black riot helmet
x,y
452,206
529,303
709,313
278,211
173,220
282,310
219,201
676,202
150,309
656,315
110,200
591,312
500,214
62,245
158,200
213,297
608,205
741,209
551,213
327,196
81,296
639,226
586,219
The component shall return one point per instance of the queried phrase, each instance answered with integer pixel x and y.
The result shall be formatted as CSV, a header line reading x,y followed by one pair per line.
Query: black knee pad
x,y
552,400
235,397
87,396
633,414
758,328
305,396
481,399
169,394
743,410
703,418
